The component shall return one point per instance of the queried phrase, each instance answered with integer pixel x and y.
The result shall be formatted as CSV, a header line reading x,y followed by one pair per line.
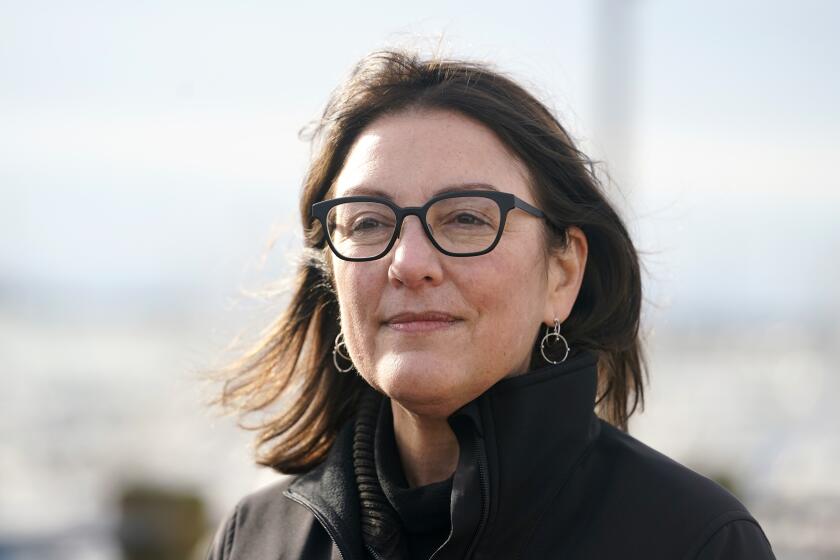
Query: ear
x,y
565,275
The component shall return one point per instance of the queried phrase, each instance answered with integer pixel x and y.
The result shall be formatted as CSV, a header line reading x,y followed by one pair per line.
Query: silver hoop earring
x,y
552,338
340,351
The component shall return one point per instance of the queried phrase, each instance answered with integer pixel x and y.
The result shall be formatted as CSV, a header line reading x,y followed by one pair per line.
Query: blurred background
x,y
149,171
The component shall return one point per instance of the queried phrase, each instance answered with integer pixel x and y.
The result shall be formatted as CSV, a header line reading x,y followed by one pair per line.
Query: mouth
x,y
421,322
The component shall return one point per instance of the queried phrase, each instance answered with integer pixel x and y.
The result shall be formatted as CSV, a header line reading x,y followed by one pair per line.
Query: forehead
x,y
413,155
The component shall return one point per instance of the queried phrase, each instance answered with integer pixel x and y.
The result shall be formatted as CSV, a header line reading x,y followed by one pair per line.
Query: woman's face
x,y
433,331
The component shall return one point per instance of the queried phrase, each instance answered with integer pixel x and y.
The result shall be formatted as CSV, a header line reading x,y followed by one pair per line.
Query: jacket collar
x,y
533,430
519,442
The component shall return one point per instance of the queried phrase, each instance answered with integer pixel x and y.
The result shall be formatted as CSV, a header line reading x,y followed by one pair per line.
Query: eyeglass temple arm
x,y
522,205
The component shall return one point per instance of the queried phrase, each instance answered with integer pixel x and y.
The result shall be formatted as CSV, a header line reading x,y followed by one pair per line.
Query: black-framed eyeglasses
x,y
459,224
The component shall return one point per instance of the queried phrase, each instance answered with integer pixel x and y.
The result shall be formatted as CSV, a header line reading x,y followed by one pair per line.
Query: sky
x,y
150,150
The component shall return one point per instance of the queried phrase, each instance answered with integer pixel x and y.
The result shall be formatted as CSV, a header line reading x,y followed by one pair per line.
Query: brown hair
x,y
291,370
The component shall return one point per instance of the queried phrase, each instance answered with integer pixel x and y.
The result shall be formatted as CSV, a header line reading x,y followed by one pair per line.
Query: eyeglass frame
x,y
505,201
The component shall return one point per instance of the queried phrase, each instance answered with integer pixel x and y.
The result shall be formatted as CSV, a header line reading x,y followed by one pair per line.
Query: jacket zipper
x,y
373,552
331,531
484,483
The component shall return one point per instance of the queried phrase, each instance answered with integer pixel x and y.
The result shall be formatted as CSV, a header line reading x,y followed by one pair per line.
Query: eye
x,y
464,219
467,219
367,223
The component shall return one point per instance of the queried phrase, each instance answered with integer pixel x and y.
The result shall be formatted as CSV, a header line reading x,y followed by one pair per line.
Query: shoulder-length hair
x,y
289,378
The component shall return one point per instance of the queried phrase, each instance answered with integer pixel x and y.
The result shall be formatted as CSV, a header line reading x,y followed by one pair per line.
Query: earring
x,y
340,350
551,338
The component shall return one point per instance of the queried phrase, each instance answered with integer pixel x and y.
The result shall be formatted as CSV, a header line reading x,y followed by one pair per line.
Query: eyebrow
x,y
372,191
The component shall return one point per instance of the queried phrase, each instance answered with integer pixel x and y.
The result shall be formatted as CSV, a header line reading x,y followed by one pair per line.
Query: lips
x,y
409,317
421,321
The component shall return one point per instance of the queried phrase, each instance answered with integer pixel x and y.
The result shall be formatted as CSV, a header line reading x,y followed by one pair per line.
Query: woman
x,y
456,368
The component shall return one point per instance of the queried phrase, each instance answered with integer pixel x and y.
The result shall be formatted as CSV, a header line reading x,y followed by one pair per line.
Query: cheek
x,y
359,288
512,300
508,289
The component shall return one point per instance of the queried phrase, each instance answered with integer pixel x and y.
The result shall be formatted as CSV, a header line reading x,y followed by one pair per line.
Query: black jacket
x,y
539,476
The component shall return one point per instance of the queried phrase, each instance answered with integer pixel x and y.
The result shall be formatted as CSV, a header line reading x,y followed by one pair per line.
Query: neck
x,y
427,446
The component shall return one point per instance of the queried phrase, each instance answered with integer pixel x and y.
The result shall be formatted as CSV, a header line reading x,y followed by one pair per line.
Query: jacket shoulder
x,y
659,498
266,524
663,480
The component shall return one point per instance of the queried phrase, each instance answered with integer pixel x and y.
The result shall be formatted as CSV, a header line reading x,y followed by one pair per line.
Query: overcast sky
x,y
151,148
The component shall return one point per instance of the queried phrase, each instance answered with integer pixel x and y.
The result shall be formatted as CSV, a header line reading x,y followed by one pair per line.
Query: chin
x,y
426,387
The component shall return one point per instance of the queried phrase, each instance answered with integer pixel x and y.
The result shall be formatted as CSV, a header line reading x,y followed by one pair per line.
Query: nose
x,y
415,262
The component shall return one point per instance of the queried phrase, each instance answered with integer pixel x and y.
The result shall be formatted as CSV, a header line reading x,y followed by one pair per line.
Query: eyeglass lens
x,y
459,225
